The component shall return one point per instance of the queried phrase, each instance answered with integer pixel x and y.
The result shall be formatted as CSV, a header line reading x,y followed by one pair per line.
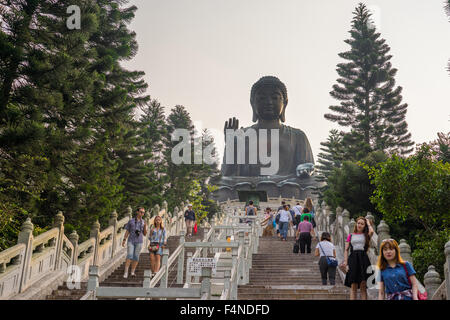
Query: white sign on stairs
x,y
195,265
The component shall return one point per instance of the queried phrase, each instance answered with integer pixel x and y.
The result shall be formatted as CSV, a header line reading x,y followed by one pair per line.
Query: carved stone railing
x,y
342,226
36,266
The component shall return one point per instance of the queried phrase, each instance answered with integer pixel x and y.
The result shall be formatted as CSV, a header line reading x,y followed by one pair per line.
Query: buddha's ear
x,y
255,116
282,115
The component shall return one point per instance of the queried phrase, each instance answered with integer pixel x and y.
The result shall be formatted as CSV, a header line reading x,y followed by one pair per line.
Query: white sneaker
x,y
125,275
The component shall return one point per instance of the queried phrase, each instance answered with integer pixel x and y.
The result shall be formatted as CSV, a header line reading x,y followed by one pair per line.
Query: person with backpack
x,y
189,218
327,262
358,261
306,214
396,279
250,210
304,235
136,228
284,219
310,206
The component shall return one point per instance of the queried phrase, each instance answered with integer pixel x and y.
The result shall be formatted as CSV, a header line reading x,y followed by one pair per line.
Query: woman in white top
x,y
285,219
325,248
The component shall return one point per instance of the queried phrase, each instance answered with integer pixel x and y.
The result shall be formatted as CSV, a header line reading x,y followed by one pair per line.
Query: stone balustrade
x,y
37,265
340,227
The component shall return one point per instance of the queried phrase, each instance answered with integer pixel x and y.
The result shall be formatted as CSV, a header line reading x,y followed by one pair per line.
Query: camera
x,y
137,232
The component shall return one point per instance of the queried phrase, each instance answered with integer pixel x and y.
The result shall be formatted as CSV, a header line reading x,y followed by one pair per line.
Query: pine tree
x,y
152,131
331,155
179,176
371,106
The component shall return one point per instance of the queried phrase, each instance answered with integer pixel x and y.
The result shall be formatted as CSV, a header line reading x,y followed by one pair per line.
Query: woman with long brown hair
x,y
310,206
396,278
157,239
358,262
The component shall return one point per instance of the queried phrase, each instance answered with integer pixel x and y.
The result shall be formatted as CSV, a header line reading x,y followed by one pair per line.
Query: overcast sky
x,y
206,55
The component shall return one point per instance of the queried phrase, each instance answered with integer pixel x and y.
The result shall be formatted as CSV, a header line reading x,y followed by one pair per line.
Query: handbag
x,y
420,295
154,246
195,228
296,247
332,261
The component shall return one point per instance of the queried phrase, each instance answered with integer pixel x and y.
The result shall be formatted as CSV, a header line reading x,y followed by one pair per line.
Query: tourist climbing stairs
x,y
278,273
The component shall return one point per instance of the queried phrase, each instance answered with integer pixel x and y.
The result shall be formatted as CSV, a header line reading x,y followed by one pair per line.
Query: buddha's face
x,y
268,103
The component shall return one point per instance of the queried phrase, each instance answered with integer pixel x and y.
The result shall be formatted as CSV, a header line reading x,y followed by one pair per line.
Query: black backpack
x,y
277,219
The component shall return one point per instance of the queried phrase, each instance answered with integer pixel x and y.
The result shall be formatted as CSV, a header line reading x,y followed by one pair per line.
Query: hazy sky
x,y
206,55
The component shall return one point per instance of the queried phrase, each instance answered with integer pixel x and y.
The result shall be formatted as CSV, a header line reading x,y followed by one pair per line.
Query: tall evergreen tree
x,y
179,176
371,106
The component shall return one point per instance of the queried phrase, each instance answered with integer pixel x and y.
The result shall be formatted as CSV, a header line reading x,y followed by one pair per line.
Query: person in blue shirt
x,y
396,278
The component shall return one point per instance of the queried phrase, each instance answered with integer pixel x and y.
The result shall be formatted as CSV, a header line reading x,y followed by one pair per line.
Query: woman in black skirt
x,y
358,262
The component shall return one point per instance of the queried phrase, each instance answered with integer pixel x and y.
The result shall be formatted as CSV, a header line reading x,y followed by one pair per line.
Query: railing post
x,y
95,233
93,279
206,282
180,269
205,239
188,277
73,237
432,281
405,251
164,265
241,273
113,223
226,281
447,272
59,223
147,278
383,233
26,237
234,284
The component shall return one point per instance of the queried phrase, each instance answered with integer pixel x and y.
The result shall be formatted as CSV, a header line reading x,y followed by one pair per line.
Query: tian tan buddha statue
x,y
288,147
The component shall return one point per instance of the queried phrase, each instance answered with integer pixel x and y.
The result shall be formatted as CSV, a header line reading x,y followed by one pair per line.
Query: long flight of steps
x,y
278,273
116,278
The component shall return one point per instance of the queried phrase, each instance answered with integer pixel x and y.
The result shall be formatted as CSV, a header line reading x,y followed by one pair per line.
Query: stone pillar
x,y
447,272
73,237
93,278
59,224
95,233
26,237
345,217
113,223
164,265
351,225
371,218
242,272
180,268
147,278
405,250
155,210
175,216
383,233
226,280
165,206
432,281
234,285
129,212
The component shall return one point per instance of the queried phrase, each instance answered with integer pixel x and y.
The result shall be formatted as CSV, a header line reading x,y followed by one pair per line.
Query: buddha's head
x,y
268,98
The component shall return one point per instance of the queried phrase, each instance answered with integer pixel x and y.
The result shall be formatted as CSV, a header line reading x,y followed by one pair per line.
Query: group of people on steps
x,y
136,229
395,277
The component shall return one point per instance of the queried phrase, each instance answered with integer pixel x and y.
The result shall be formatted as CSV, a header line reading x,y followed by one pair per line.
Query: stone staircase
x,y
278,273
116,278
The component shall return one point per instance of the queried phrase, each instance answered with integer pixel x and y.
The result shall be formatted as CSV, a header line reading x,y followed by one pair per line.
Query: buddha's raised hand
x,y
232,124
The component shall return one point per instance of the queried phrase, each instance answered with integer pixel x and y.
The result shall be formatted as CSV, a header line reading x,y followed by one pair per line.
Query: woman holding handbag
x,y
327,262
157,239
397,278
